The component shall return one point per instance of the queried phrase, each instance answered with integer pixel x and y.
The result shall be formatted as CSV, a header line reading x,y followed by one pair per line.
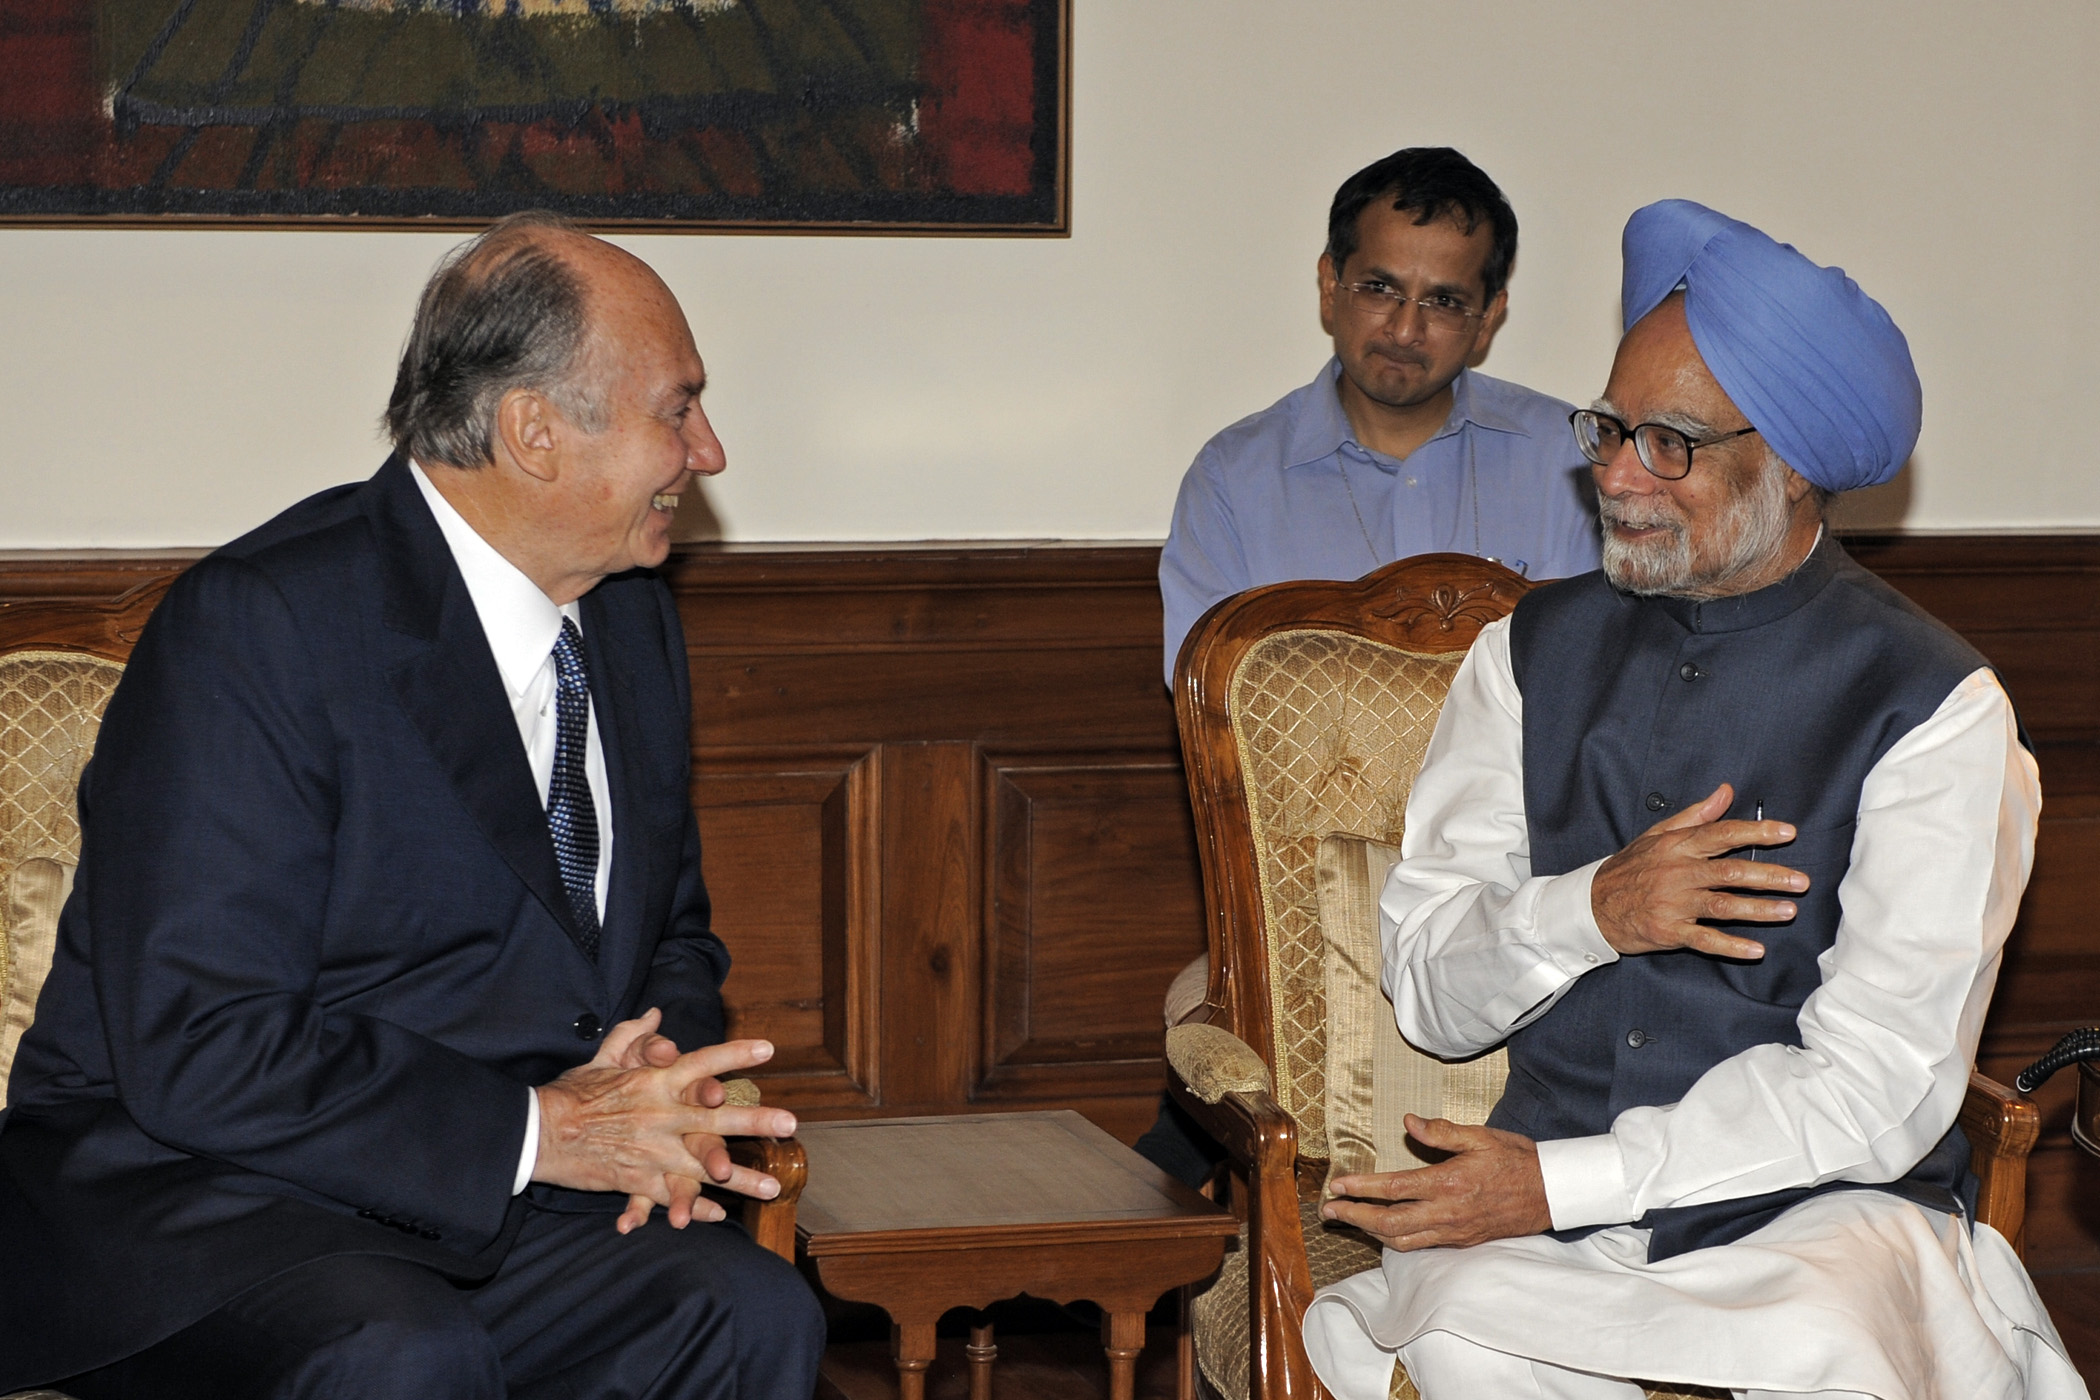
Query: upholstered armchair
x,y
59,664
1305,709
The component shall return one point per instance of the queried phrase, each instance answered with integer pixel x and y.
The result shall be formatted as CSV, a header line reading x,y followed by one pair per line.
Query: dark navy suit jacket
x,y
318,945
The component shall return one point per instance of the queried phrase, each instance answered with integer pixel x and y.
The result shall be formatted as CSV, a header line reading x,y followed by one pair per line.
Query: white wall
x,y
169,388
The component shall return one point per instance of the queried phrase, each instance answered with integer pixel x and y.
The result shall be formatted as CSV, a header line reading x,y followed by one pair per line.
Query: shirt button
x,y
1589,957
589,1027
1656,802
1690,672
1636,1038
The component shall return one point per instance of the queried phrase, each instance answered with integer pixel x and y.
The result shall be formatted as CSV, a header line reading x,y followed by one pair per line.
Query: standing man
x,y
385,1008
1723,843
1397,447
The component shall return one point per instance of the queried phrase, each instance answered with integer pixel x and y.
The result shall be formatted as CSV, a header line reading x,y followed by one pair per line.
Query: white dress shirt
x,y
1854,1291
521,624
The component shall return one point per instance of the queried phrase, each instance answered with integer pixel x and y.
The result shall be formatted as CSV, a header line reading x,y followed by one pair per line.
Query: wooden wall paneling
x,y
1021,645
931,951
1092,905
927,654
790,841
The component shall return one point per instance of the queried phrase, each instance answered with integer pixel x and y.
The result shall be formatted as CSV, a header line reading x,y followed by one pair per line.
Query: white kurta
x,y
1854,1290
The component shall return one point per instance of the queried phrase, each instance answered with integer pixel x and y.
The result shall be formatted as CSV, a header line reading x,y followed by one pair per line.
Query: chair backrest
x,y
1305,709
50,711
59,664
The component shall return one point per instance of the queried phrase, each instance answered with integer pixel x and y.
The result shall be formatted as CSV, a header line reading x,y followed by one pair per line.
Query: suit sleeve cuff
x,y
529,1152
1585,1181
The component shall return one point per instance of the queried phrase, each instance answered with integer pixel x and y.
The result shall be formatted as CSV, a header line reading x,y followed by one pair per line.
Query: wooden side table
x,y
920,1215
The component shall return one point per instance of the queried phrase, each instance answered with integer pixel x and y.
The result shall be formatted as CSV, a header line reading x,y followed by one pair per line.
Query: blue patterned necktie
x,y
571,814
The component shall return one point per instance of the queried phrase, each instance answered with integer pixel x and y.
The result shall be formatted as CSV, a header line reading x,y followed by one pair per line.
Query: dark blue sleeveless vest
x,y
1637,707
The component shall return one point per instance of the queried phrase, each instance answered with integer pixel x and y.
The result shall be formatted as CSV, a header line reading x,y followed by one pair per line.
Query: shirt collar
x,y
1322,429
521,622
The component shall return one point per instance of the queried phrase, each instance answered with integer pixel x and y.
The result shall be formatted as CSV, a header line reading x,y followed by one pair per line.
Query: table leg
x,y
915,1351
1123,1337
982,1351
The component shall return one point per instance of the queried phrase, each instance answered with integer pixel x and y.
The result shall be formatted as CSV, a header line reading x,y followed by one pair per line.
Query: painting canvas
x,y
886,115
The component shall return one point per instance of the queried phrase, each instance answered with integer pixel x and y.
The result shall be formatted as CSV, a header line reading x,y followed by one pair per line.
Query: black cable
x,y
2078,1045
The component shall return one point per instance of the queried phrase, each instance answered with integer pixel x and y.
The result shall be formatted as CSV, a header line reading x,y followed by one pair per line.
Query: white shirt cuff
x,y
1567,923
529,1154
1585,1181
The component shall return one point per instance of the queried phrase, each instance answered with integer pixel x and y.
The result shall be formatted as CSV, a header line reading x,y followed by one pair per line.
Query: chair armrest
x,y
1213,1062
2001,1127
1262,1141
771,1223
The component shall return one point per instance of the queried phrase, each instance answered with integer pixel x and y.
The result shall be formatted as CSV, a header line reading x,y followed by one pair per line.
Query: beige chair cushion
x,y
1375,1078
50,712
35,895
1330,730
1186,992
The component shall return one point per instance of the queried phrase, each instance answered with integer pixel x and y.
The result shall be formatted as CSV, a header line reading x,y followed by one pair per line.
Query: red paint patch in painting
x,y
729,160
977,86
50,113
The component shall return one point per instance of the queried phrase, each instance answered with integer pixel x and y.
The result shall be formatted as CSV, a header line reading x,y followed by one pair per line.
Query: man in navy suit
x,y
386,1009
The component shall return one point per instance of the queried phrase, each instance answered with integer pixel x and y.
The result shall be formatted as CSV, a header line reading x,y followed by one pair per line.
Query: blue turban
x,y
1810,359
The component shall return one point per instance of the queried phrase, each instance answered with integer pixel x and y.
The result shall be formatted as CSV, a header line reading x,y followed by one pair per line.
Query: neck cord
x,y
1342,461
1472,481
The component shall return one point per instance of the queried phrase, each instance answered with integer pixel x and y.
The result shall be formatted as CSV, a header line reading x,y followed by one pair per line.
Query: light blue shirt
x,y
1290,494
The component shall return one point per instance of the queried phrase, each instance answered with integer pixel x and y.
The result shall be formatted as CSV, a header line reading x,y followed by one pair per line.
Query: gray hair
x,y
502,311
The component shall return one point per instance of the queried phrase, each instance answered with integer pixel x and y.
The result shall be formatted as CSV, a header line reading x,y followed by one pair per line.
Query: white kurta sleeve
x,y
1475,946
1944,843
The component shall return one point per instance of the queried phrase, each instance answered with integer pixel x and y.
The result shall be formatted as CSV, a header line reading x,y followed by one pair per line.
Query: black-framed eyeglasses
x,y
1665,451
1378,301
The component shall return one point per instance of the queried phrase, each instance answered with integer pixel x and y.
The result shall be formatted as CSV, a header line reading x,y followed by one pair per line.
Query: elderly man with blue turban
x,y
1722,843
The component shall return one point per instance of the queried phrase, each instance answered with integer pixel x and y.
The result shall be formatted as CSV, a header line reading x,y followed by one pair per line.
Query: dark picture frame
x,y
877,116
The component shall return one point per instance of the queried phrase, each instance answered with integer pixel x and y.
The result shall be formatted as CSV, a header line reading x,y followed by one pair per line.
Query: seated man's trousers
x,y
577,1310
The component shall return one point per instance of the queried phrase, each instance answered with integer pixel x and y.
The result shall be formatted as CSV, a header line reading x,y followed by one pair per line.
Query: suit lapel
x,y
446,679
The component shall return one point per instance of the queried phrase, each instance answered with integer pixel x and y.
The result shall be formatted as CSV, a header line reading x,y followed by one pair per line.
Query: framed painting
x,y
889,116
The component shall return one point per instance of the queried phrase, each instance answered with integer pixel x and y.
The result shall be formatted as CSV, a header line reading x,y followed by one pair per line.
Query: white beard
x,y
1750,529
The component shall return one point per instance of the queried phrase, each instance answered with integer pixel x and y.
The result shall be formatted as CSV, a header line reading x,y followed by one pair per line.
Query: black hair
x,y
1430,182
